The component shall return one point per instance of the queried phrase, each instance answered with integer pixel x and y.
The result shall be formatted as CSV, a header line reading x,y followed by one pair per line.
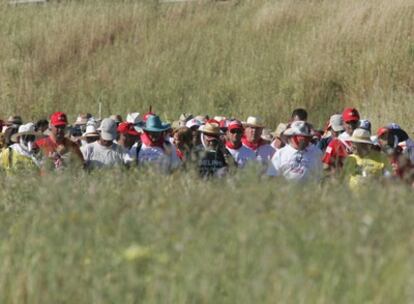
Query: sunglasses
x,y
236,131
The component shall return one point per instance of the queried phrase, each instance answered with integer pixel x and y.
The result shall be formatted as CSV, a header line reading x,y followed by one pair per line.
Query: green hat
x,y
154,124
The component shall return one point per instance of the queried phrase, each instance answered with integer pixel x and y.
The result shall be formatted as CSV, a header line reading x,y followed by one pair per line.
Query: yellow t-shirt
x,y
358,170
11,160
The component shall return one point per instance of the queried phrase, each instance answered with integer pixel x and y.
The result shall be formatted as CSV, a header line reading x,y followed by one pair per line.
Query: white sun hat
x,y
26,129
298,127
361,136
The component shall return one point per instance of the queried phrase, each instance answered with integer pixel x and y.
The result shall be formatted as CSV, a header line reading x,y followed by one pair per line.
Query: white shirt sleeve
x,y
274,165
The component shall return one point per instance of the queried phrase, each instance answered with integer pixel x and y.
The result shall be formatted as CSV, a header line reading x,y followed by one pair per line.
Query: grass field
x,y
130,237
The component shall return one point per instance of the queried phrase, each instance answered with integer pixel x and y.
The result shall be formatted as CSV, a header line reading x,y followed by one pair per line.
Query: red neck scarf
x,y
146,140
253,146
230,145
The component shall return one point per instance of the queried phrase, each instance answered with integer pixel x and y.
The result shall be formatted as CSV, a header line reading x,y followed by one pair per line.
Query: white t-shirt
x,y
242,155
167,158
98,156
296,165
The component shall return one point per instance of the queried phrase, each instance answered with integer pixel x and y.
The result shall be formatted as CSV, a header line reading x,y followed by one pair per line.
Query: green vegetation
x,y
118,238
130,237
233,58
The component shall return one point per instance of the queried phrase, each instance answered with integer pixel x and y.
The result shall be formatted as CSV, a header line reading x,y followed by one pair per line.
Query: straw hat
x,y
211,129
26,129
298,127
254,121
361,136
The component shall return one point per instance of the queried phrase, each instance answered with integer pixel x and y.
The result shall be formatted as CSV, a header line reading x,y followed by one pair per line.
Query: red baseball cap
x,y
58,119
127,128
350,114
382,131
235,124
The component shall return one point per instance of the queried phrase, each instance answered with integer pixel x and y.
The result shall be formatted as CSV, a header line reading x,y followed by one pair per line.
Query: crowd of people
x,y
346,149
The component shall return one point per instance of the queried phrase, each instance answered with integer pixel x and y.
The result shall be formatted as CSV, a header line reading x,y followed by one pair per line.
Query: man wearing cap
x,y
57,150
21,155
335,152
350,117
365,163
240,153
299,160
155,149
211,157
104,153
253,128
127,137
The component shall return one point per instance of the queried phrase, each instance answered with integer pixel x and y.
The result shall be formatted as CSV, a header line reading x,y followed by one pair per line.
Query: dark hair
x,y
8,134
41,123
300,113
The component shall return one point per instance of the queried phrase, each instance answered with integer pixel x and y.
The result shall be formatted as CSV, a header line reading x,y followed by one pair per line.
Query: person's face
x,y
361,149
154,136
234,135
350,126
253,133
105,143
211,141
58,132
127,139
300,142
91,139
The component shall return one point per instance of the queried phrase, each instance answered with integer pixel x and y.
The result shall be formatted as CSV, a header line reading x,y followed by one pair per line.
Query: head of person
x,y
26,136
210,135
234,132
299,135
389,138
350,118
267,136
41,125
155,129
336,125
58,124
194,124
117,118
361,142
253,128
299,114
107,132
127,134
183,138
91,134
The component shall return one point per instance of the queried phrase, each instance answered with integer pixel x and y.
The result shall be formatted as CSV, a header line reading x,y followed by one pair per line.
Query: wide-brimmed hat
x,y
336,123
279,130
298,127
193,123
82,119
108,129
26,129
90,132
254,121
154,124
361,136
13,120
210,128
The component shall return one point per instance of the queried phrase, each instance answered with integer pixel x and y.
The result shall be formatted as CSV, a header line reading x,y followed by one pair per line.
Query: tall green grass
x,y
137,237
121,237
233,58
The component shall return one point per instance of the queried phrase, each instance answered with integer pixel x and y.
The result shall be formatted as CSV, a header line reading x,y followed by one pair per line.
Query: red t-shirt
x,y
48,146
335,153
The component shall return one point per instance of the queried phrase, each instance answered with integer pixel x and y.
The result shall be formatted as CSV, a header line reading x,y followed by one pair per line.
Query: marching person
x,y
56,149
21,155
253,128
299,160
365,163
155,149
104,153
336,151
211,157
240,153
